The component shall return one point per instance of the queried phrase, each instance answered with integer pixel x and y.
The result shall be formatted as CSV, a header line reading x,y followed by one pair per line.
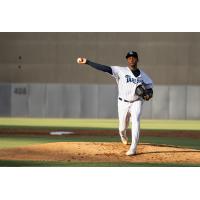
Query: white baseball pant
x,y
125,111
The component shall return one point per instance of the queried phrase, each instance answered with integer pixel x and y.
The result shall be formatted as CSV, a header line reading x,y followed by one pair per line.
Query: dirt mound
x,y
101,152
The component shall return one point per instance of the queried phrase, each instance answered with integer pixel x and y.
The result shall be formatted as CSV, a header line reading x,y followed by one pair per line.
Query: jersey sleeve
x,y
147,80
115,71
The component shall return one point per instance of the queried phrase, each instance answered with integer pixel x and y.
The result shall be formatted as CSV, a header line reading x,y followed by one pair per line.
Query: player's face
x,y
132,61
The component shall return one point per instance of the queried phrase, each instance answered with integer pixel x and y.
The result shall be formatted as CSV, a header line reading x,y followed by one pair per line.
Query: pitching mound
x,y
100,152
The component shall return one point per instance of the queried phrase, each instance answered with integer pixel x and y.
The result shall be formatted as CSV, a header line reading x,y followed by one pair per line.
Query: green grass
x,y
19,141
172,141
27,163
98,123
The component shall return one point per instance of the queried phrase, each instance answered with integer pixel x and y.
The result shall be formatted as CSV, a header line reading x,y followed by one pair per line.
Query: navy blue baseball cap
x,y
132,53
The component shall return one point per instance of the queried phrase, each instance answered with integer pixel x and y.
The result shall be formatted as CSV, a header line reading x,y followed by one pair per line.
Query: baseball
x,y
79,60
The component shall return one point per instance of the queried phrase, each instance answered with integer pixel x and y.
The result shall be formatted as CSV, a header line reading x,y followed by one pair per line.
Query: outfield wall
x,y
168,58
93,101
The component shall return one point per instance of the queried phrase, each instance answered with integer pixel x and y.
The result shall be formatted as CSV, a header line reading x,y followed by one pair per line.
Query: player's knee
x,y
122,128
135,124
136,119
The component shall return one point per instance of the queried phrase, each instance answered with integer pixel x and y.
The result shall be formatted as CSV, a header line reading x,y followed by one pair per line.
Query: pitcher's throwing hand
x,y
81,60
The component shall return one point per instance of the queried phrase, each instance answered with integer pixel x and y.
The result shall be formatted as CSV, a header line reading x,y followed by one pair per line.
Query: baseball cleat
x,y
124,140
130,152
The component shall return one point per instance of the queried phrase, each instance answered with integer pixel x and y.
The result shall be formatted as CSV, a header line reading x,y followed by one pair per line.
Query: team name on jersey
x,y
129,79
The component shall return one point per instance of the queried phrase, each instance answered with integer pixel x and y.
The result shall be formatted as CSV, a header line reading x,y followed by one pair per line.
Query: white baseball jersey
x,y
127,82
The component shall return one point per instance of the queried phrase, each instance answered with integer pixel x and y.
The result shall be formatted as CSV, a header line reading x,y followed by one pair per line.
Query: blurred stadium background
x,y
39,76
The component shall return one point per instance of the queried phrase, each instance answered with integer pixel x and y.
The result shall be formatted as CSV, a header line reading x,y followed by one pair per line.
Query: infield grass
x,y
28,163
97,124
38,123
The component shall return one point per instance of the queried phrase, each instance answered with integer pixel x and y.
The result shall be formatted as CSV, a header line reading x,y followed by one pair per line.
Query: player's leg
x,y
136,109
124,116
123,132
128,116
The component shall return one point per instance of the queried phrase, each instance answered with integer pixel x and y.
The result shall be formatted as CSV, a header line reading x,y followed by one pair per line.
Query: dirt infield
x,y
101,152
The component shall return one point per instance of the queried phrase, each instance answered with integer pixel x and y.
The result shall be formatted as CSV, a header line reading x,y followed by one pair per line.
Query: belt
x,y
127,100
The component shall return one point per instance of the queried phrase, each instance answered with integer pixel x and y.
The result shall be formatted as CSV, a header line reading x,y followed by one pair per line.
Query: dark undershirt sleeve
x,y
100,67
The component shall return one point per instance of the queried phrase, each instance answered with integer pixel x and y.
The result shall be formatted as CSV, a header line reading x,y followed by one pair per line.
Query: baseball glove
x,y
144,93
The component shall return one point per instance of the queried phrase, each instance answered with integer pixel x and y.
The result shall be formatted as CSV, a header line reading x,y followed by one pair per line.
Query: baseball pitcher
x,y
134,87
